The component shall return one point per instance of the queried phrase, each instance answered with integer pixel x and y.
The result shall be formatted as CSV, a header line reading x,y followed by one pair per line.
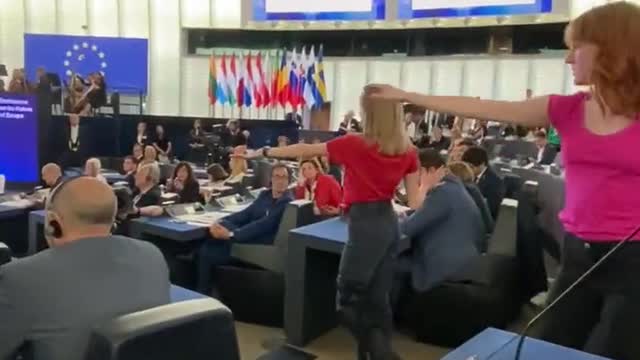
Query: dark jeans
x,y
601,316
365,277
212,253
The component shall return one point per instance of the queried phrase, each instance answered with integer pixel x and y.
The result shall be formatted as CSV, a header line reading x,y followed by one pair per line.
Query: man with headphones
x,y
50,301
257,224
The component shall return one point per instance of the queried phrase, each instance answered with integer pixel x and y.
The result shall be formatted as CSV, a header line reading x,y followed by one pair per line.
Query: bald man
x,y
51,175
51,300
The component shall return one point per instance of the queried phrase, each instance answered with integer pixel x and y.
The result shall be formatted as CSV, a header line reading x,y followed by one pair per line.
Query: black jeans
x,y
601,316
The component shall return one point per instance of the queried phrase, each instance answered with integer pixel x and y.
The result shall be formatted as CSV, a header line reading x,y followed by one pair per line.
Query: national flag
x,y
293,80
231,79
302,71
248,82
321,85
275,75
221,92
283,80
212,80
310,84
254,77
240,83
261,84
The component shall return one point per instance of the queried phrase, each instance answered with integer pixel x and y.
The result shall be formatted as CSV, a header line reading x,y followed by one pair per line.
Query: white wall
x,y
178,82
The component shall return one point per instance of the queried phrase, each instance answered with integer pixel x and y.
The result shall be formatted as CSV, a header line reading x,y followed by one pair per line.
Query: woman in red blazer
x,y
322,189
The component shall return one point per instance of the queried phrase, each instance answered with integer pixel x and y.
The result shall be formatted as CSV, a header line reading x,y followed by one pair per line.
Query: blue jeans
x,y
212,253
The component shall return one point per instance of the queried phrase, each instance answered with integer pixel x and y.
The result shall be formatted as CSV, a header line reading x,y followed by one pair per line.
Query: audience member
x,y
459,148
184,184
234,135
150,155
479,130
437,141
323,190
257,224
92,168
546,152
197,148
51,175
137,152
446,231
18,83
142,138
237,166
162,144
490,184
217,175
51,301
129,166
147,192
349,123
465,173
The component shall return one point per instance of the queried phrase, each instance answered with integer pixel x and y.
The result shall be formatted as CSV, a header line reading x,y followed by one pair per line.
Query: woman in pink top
x,y
601,150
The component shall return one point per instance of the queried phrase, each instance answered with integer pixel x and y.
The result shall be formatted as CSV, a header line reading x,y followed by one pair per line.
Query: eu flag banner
x,y
123,61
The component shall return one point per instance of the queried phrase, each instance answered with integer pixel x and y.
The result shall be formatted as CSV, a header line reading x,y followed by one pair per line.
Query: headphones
x,y
52,227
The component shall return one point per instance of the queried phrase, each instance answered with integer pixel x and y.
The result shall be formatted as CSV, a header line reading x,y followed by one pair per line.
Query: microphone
x,y
522,336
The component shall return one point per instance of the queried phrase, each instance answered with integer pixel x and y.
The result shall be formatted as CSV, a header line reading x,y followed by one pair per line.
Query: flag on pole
x,y
321,85
293,80
302,75
275,75
212,80
240,83
310,84
248,82
261,85
230,76
254,76
221,85
283,80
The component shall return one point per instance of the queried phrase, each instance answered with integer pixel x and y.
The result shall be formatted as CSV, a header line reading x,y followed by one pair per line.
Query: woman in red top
x,y
600,133
323,190
374,163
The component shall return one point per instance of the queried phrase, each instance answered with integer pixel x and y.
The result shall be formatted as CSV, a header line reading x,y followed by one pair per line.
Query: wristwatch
x,y
265,151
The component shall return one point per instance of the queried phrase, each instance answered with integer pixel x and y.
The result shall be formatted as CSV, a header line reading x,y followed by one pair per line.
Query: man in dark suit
x,y
257,224
546,152
349,124
490,184
50,301
129,166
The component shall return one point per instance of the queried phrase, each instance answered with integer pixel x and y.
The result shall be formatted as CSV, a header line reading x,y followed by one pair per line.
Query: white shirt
x,y
74,133
540,154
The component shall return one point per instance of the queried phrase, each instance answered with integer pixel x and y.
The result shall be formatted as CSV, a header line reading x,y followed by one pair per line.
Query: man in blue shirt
x,y
257,224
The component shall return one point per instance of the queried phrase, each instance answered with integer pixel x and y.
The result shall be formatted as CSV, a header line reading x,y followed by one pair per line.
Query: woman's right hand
x,y
384,91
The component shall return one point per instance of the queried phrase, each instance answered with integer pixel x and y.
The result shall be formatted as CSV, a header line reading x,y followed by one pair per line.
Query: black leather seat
x,y
5,254
189,330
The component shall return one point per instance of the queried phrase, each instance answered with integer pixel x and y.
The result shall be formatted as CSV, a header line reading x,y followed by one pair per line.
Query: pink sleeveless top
x,y
602,178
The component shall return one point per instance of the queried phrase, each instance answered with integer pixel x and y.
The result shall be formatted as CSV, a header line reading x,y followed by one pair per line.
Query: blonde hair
x,y
462,170
95,165
613,28
384,125
237,165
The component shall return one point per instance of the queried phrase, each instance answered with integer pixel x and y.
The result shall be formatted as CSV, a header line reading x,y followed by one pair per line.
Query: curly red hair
x,y
614,28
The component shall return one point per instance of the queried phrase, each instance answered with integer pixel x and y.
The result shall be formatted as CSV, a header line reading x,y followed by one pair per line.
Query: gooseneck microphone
x,y
580,280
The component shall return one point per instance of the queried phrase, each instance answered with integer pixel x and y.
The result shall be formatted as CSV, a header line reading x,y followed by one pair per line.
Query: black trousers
x,y
601,316
365,277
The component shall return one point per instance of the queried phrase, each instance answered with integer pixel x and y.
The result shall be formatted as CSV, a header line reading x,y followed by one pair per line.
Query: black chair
x,y
5,254
189,330
253,288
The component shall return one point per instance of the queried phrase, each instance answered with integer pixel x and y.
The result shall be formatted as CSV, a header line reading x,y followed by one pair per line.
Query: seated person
x,y
446,231
92,168
490,184
238,167
147,196
162,145
129,166
184,184
51,175
464,172
479,130
546,152
150,155
322,189
217,175
137,152
257,224
459,147
142,138
437,141
52,300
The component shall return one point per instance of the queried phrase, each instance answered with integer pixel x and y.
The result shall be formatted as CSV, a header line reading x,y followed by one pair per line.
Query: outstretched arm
x,y
298,150
528,113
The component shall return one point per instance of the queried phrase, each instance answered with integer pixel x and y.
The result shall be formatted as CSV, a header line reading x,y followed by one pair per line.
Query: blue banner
x,y
123,61
410,9
300,10
19,138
